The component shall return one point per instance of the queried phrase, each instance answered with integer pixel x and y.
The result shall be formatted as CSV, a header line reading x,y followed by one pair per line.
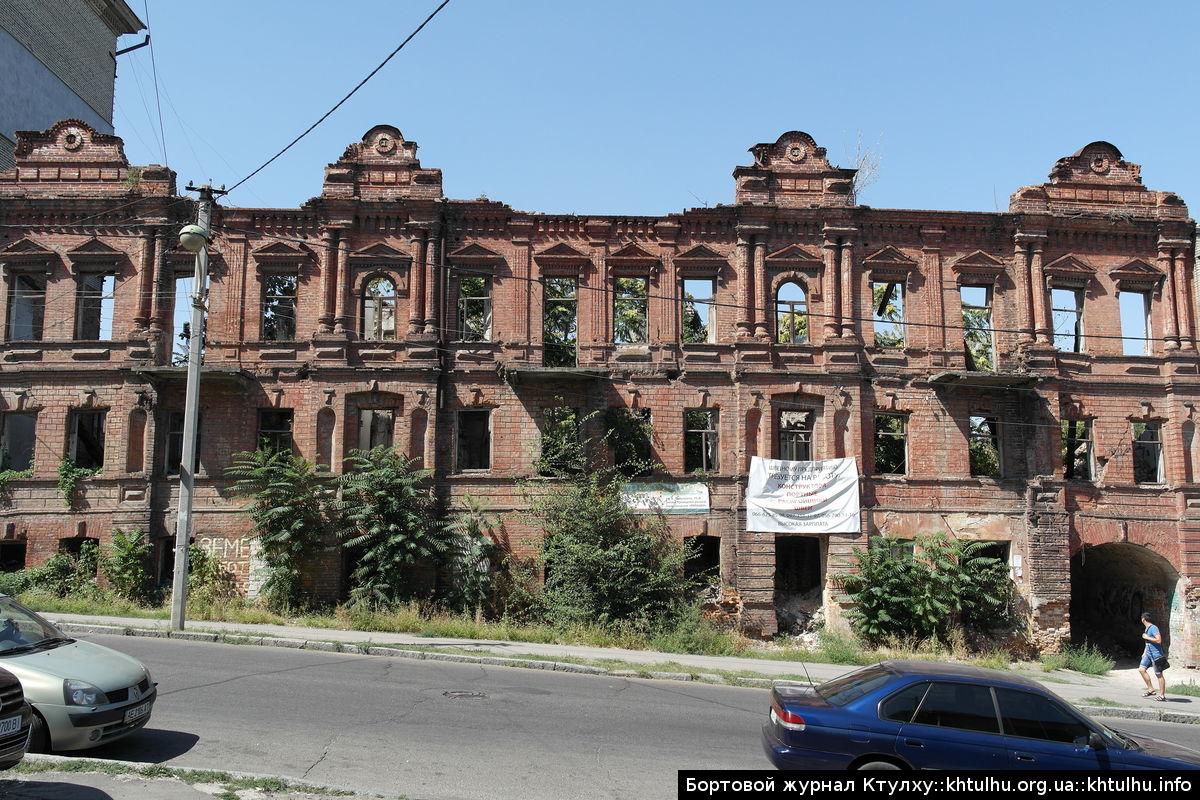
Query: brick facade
x,y
303,305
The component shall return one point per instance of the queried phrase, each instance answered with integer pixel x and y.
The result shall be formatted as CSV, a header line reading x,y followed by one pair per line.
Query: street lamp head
x,y
193,237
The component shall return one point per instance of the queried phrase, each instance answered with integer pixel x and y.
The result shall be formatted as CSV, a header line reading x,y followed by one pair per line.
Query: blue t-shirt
x,y
1155,650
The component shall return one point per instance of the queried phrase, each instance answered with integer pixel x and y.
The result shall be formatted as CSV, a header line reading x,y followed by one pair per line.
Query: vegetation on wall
x,y
69,477
927,590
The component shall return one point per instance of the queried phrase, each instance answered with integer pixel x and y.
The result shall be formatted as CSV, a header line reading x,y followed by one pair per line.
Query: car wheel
x,y
873,765
39,736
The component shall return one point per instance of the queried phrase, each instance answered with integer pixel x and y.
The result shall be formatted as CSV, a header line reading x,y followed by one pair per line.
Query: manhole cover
x,y
464,695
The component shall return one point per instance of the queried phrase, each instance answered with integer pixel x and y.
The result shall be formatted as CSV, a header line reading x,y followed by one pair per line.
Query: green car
x,y
83,695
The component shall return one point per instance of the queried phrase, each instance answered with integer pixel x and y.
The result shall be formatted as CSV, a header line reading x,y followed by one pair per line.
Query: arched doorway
x,y
1111,585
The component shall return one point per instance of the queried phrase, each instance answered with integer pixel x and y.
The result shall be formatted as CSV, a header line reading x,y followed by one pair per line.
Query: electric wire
x,y
339,103
157,99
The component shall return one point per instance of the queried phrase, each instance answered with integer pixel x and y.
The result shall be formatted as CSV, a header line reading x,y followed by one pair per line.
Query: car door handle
x,y
914,743
1025,757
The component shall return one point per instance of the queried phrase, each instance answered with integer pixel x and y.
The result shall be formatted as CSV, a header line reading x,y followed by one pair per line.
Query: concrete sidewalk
x,y
1122,685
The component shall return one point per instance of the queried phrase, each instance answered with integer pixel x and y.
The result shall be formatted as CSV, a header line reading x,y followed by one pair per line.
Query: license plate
x,y
10,725
137,711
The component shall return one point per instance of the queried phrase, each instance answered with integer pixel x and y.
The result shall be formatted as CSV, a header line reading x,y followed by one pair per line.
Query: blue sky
x,y
626,107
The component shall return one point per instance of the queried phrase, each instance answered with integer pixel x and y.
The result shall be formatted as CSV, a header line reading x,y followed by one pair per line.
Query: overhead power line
x,y
344,99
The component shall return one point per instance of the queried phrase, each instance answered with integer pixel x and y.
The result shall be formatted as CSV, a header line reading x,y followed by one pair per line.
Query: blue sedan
x,y
924,715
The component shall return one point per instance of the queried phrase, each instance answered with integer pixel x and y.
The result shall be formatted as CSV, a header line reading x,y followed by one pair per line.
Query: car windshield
x,y
22,630
849,688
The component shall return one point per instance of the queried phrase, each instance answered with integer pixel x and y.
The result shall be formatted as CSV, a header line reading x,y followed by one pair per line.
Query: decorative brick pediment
x,y
889,263
1136,275
69,140
701,259
632,256
792,256
793,173
1070,268
561,257
26,250
475,255
380,253
978,267
280,253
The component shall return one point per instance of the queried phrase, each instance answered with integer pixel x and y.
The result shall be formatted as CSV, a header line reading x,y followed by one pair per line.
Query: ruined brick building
x,y
1026,378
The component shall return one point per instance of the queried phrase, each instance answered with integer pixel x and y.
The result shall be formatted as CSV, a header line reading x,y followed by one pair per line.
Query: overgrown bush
x,y
209,582
126,566
66,574
926,592
603,564
388,512
290,509
472,553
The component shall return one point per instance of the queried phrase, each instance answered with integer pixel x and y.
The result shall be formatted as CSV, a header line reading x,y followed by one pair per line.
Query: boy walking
x,y
1150,657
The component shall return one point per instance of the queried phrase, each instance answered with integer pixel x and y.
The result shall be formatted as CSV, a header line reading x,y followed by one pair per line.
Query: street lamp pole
x,y
194,238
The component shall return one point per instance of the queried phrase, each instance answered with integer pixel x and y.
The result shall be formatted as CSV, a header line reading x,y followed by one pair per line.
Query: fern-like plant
x,y
289,504
388,511
126,565
472,552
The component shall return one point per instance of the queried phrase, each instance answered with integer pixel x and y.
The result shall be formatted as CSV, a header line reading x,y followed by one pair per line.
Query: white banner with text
x,y
803,496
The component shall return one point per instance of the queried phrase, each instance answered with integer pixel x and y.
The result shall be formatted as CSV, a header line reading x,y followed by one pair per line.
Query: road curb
x,y
1149,714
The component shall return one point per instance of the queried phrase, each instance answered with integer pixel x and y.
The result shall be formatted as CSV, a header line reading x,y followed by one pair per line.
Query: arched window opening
x,y
791,314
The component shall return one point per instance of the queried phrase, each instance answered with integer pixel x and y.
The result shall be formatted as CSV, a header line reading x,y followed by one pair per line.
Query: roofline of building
x,y
118,16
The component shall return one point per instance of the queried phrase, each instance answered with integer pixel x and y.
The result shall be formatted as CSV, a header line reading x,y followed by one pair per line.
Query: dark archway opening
x,y
799,586
704,561
1111,585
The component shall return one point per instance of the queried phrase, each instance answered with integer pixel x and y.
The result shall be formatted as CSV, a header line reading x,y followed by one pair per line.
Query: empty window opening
x,y
87,439
891,444
983,444
181,320
560,322
979,347
795,435
888,313
175,444
700,441
1147,452
475,309
799,584
1077,451
375,427
997,550
475,439
12,555
75,546
631,310
279,307
704,558
1135,323
95,308
379,310
26,309
17,436
1067,310
629,436
791,314
562,449
275,430
698,322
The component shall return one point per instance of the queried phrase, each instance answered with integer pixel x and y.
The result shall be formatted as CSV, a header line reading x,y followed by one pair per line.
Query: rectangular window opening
x,y
87,439
562,447
26,308
17,437
279,307
475,309
631,310
275,430
1067,312
629,434
375,427
1077,453
475,439
1147,452
700,437
888,313
560,322
978,343
1135,323
95,307
891,444
984,447
697,320
175,443
795,435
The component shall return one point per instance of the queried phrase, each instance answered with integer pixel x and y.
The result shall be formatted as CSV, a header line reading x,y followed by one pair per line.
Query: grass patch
x,y
1186,689
1103,701
1052,662
230,783
1088,659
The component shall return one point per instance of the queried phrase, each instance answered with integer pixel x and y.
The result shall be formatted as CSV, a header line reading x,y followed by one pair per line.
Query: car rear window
x,y
849,688
901,706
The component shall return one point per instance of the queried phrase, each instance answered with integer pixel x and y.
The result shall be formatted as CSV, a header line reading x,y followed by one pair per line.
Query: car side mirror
x,y
1096,742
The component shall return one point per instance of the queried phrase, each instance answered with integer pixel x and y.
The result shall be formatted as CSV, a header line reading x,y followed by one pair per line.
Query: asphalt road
x,y
433,730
